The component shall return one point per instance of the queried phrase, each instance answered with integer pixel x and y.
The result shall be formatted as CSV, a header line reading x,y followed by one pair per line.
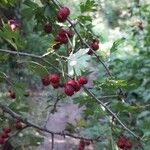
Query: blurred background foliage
x,y
123,27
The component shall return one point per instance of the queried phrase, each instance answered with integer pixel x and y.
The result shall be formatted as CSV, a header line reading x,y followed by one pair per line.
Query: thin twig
x,y
52,137
111,112
16,133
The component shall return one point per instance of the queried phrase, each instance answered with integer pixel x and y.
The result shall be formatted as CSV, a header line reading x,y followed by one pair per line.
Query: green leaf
x,y
88,6
124,107
85,19
37,68
116,44
27,13
30,4
11,37
2,76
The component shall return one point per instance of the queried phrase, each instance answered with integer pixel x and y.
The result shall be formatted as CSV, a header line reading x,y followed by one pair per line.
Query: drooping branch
x,y
85,89
14,115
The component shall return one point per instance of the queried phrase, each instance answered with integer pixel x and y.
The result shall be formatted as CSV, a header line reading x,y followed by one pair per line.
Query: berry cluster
x,y
94,46
83,143
53,79
73,86
62,37
124,143
4,135
70,87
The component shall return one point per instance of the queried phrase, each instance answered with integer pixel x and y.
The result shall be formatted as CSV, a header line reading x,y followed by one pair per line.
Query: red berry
x,y
5,135
45,80
56,85
62,36
71,82
62,39
47,28
78,86
54,78
83,80
7,130
128,144
12,95
121,142
1,141
62,14
75,84
69,90
18,125
81,145
90,52
95,46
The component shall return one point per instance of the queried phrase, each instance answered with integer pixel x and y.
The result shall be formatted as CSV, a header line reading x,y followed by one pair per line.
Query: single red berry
x,y
83,80
56,85
18,125
121,142
5,135
62,39
69,90
12,95
47,28
90,52
7,130
128,144
95,46
45,80
54,78
63,14
1,141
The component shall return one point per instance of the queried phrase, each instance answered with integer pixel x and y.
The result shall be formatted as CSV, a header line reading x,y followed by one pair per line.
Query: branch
x,y
14,115
85,89
110,111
